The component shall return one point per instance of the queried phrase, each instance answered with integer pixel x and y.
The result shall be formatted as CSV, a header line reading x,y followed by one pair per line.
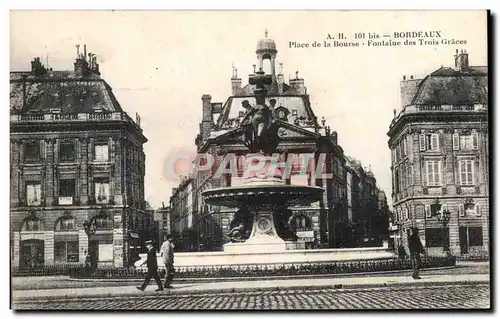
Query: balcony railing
x,y
73,117
412,109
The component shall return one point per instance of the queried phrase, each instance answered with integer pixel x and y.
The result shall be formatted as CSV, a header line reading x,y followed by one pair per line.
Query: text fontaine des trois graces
x,y
377,40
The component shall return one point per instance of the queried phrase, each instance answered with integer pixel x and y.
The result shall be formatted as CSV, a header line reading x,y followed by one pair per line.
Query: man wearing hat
x,y
152,264
167,253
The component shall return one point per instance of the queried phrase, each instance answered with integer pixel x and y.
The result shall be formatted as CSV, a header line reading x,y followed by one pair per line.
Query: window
x,y
66,251
67,151
101,152
469,209
436,237
294,112
32,152
101,189
32,224
429,142
66,224
475,236
66,188
33,194
396,182
103,223
434,209
433,173
409,175
465,142
404,146
466,168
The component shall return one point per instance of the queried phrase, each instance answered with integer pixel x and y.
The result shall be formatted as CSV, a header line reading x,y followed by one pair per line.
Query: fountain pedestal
x,y
263,238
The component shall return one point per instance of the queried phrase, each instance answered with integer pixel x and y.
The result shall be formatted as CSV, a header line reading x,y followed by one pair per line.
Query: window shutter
x,y
456,142
428,211
422,142
478,210
475,141
439,173
461,210
435,142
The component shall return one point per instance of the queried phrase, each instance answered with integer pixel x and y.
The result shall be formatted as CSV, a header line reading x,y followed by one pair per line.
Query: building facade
x,y
366,223
439,146
301,134
75,157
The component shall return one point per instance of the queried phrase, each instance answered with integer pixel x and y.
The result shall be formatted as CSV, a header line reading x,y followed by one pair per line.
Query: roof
x,y
447,86
62,90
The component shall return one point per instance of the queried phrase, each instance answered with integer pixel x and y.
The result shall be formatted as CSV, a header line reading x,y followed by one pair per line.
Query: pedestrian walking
x,y
416,248
167,253
152,264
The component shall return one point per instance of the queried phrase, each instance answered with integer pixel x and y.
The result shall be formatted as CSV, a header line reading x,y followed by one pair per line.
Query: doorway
x,y
32,254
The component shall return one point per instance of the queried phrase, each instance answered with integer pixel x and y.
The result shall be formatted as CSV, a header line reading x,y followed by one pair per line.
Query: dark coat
x,y
415,245
151,261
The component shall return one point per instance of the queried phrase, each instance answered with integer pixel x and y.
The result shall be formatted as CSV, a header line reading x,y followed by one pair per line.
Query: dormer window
x,y
294,112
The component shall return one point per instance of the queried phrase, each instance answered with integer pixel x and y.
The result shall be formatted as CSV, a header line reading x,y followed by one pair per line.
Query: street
x,y
471,296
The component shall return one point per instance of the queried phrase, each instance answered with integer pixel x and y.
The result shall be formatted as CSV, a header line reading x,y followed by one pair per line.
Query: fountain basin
x,y
263,195
199,259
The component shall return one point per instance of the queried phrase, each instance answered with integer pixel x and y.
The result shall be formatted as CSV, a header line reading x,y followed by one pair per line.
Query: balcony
x,y
72,117
66,200
414,109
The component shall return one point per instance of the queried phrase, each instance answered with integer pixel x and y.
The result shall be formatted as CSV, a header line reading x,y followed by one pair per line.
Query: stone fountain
x,y
261,224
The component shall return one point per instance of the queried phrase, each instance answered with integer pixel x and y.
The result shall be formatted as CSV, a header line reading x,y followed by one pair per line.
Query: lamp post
x,y
90,228
444,218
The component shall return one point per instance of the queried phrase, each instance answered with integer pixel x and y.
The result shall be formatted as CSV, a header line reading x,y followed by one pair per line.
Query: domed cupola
x,y
266,45
266,50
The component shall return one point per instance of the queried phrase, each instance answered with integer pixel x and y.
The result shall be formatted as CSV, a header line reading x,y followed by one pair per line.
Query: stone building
x,y
75,156
366,222
320,224
182,216
439,146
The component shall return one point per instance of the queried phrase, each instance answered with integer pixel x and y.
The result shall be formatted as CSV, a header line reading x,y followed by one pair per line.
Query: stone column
x,y
83,245
49,247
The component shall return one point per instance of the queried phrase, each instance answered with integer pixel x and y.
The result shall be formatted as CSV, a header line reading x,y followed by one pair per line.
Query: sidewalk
x,y
245,286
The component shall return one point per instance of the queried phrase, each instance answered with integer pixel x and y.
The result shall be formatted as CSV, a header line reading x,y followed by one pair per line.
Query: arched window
x,y
32,224
103,222
66,224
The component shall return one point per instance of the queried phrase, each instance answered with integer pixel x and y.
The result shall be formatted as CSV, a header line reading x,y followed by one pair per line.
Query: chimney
x,y
298,84
280,79
235,82
207,118
461,61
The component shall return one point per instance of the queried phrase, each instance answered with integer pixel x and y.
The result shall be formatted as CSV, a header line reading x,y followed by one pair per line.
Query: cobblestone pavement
x,y
429,297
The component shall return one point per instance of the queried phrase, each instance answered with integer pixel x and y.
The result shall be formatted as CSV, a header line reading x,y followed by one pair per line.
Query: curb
x,y
229,279
291,289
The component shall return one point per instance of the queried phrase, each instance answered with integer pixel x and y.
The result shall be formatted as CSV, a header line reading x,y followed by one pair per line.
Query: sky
x,y
160,63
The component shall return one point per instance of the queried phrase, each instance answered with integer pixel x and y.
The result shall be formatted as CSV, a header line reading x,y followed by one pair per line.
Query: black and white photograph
x,y
249,160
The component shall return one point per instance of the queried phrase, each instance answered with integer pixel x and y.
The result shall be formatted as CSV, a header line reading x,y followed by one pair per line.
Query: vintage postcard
x,y
249,160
